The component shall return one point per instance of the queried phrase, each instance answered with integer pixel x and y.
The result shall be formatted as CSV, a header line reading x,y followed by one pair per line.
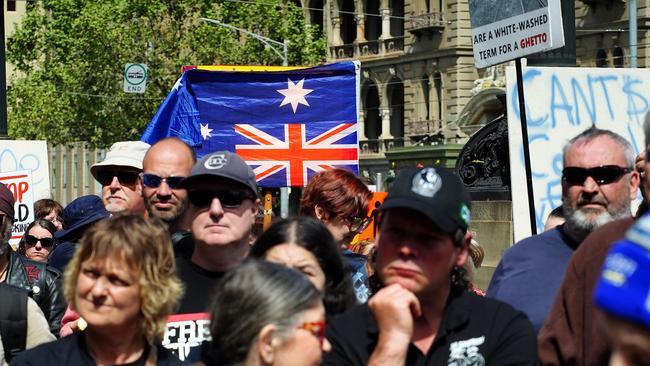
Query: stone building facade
x,y
416,68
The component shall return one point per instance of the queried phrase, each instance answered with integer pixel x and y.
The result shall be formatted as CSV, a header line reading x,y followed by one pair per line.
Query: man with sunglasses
x,y
222,192
572,335
598,185
165,165
119,175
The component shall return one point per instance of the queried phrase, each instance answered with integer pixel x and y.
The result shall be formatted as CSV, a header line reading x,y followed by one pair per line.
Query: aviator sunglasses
x,y
45,242
154,181
105,177
228,199
603,174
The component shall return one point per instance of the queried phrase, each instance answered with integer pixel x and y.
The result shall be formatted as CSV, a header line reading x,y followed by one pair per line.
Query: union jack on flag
x,y
295,154
286,125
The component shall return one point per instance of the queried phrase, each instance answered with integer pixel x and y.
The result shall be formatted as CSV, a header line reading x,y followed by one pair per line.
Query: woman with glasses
x,y
38,241
122,282
266,314
305,244
340,200
49,210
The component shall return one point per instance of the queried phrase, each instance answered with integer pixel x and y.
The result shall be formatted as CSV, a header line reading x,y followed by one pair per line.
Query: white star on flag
x,y
205,131
294,94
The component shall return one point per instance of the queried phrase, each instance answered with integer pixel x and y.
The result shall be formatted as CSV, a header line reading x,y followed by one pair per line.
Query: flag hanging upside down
x,y
287,125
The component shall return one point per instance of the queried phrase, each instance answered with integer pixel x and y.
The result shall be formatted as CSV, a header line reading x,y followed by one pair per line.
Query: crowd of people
x,y
165,268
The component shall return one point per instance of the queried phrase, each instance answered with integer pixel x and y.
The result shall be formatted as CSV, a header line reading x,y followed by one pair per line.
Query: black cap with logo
x,y
222,164
434,192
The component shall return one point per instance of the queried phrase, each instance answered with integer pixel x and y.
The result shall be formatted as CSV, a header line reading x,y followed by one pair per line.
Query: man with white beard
x,y
598,184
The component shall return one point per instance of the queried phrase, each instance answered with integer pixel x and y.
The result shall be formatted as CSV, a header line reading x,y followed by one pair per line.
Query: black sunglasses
x,y
45,242
228,199
603,174
105,177
154,181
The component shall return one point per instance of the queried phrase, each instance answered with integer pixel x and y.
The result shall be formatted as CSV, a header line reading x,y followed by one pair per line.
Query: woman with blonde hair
x,y
122,282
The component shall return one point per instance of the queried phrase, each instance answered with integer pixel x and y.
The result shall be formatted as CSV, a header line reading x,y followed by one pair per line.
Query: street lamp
x,y
267,41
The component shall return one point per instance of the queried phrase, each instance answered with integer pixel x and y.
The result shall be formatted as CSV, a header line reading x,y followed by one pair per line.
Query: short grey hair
x,y
251,296
593,133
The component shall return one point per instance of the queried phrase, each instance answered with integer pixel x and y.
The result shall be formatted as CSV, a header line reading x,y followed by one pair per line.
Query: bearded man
x,y
598,185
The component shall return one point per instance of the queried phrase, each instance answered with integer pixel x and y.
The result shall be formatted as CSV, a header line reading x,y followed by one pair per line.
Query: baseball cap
x,y
222,164
436,193
623,288
123,154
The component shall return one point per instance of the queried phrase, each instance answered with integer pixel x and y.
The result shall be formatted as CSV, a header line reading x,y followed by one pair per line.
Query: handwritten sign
x,y
560,104
27,155
503,30
20,184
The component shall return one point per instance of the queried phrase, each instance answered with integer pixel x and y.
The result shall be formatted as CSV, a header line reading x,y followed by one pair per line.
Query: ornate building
x,y
416,68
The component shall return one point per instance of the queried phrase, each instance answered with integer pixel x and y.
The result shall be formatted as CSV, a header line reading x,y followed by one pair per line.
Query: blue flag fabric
x,y
286,125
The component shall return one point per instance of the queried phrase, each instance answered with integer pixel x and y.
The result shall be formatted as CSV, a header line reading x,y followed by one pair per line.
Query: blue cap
x,y
623,288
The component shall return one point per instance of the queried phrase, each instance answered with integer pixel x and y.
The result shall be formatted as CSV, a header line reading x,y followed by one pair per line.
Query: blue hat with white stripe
x,y
623,289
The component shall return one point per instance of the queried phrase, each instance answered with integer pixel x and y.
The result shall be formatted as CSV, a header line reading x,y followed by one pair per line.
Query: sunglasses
x,y
154,181
358,224
315,328
45,242
603,174
105,177
228,199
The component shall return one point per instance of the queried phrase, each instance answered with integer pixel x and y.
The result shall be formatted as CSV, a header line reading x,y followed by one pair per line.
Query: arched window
x,y
373,20
371,109
438,113
348,24
426,96
316,14
396,103
397,18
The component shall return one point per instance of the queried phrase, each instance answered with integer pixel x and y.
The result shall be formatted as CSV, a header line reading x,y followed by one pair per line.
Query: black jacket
x,y
473,331
44,285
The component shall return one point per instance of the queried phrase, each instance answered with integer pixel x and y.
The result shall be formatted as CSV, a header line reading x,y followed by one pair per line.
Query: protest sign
x,y
27,155
503,30
566,102
20,184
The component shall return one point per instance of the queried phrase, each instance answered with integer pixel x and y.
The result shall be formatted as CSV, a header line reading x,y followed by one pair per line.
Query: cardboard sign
x,y
560,104
27,155
503,30
20,184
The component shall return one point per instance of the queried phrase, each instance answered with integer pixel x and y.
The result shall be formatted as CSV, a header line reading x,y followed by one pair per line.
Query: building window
x,y
618,57
601,58
426,93
11,5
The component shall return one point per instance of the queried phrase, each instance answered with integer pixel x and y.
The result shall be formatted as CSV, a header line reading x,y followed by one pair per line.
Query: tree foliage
x,y
69,57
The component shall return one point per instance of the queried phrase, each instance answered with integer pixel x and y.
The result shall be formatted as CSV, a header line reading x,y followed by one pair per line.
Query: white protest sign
x,y
135,78
28,155
20,184
503,30
561,103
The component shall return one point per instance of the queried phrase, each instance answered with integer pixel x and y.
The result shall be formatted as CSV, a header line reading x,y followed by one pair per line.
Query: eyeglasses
x,y
45,242
105,177
315,328
228,199
358,224
154,181
603,174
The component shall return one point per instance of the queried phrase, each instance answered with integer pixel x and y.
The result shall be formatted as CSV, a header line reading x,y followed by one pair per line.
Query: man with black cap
x,y
222,192
41,281
424,314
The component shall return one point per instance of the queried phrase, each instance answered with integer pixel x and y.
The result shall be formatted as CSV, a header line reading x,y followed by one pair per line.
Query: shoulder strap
x,y
13,320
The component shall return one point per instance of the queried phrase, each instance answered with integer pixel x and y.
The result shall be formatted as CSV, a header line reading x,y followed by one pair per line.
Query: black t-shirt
x,y
474,331
189,326
72,350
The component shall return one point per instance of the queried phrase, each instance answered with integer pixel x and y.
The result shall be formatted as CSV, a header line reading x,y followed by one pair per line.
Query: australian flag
x,y
286,125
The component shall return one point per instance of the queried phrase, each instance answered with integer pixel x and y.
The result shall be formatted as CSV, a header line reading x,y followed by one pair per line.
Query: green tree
x,y
70,55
